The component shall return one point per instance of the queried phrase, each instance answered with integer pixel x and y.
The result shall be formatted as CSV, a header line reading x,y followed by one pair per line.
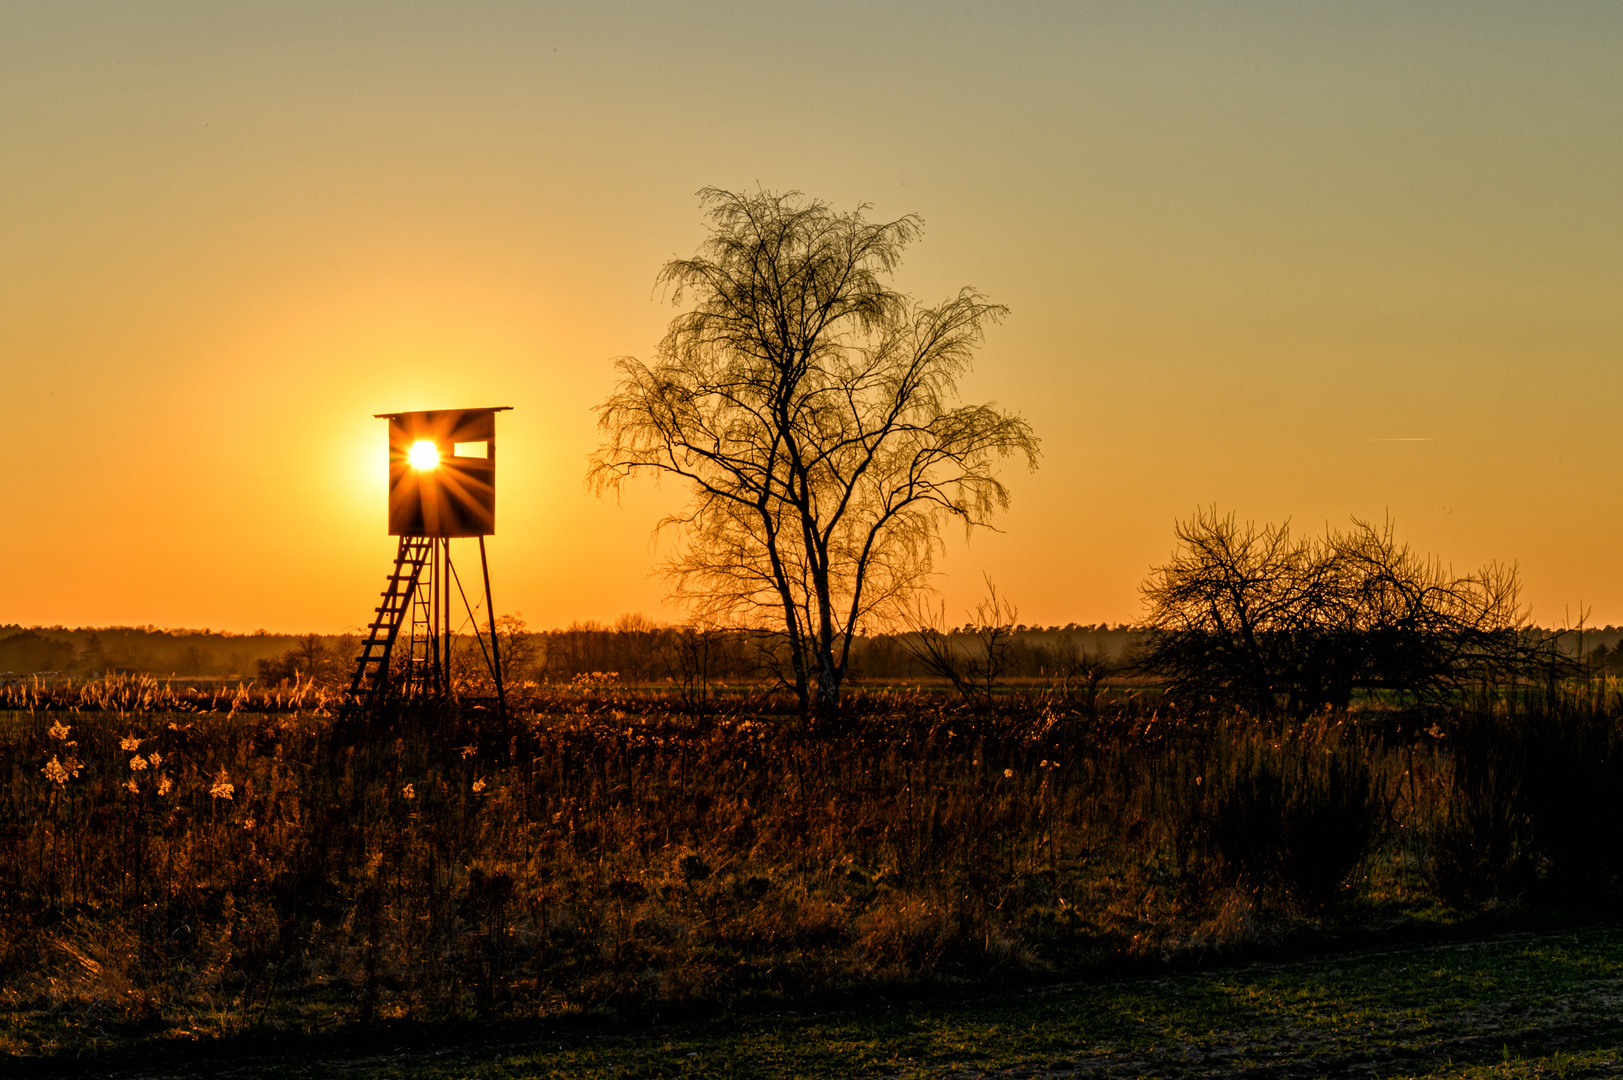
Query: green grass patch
x,y
1523,1006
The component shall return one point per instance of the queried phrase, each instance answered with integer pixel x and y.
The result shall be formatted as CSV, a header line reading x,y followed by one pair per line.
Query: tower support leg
x,y
495,644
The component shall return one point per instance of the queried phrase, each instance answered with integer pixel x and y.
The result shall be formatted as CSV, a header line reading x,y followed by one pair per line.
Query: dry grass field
x,y
183,870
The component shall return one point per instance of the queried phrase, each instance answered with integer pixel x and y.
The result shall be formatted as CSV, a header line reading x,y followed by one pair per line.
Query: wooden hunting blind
x,y
442,486
456,496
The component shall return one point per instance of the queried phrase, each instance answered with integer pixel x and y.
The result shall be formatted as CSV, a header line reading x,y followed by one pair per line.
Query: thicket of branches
x,y
1274,622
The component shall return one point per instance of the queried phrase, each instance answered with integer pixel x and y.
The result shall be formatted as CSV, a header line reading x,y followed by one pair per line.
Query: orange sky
x,y
1304,261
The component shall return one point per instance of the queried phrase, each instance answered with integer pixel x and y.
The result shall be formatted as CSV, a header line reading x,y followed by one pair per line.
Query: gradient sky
x,y
1305,261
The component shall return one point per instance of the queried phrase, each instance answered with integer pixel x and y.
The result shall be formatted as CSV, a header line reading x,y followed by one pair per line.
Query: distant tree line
x,y
1297,658
637,651
640,651
636,648
29,652
1605,659
87,652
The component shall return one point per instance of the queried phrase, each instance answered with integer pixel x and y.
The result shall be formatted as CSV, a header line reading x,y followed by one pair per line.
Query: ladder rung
x,y
402,592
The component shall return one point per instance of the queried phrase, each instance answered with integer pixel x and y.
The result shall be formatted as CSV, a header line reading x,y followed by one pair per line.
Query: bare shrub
x,y
1259,618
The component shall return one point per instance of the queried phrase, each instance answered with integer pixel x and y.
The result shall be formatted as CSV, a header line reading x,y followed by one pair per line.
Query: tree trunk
x,y
828,682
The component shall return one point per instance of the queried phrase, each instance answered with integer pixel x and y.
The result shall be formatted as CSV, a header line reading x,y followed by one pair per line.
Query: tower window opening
x,y
479,449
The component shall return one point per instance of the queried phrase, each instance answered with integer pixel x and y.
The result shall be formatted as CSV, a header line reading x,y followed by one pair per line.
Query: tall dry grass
x,y
119,694
193,870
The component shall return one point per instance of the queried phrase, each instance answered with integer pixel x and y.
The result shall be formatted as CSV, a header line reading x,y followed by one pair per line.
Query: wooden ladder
x,y
371,676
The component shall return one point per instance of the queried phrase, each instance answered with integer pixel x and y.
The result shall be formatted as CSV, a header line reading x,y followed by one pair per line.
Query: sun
x,y
423,454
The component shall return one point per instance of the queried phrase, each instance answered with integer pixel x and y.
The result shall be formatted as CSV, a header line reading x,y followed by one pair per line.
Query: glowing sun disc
x,y
423,454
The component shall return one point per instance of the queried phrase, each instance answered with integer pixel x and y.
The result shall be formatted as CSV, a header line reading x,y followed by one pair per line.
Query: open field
x,y
181,873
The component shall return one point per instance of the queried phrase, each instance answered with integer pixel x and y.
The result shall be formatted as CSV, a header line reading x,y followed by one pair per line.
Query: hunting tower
x,y
442,486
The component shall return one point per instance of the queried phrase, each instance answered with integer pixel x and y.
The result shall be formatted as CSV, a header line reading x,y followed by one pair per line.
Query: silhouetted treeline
x,y
641,652
87,652
634,647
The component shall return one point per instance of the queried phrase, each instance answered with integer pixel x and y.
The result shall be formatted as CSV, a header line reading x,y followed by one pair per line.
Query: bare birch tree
x,y
811,409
